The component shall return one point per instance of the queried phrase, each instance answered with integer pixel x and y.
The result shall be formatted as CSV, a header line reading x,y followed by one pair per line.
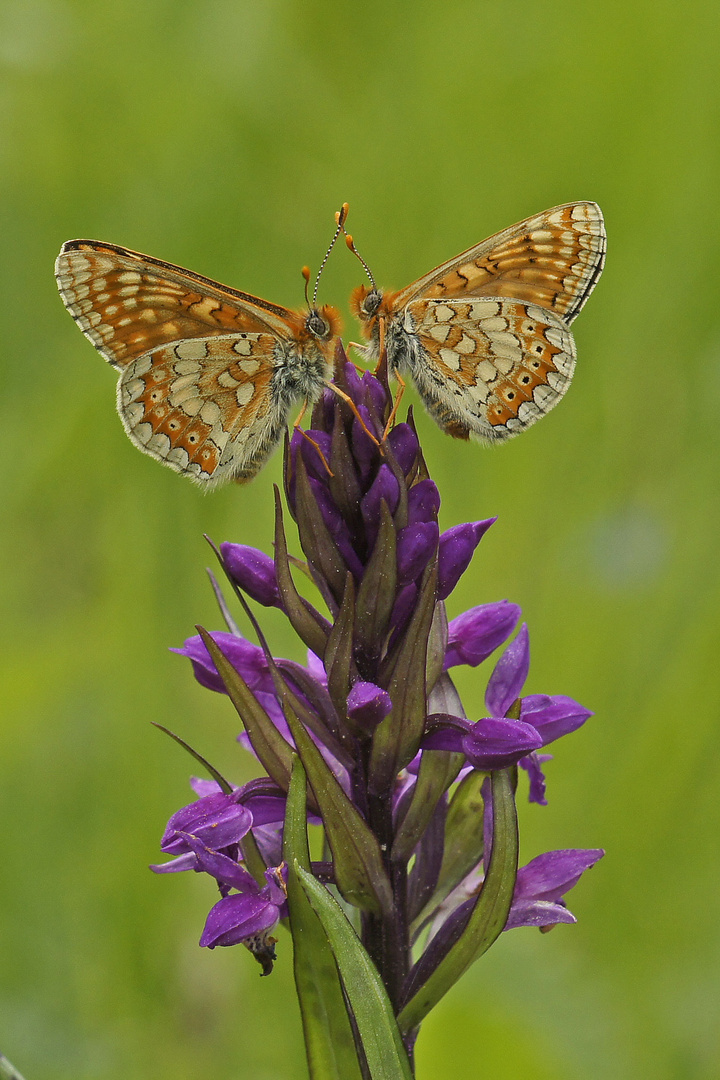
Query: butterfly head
x,y
323,324
366,305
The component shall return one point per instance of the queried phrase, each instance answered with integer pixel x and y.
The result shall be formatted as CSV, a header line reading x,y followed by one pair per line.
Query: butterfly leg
x,y
353,407
396,405
363,350
305,435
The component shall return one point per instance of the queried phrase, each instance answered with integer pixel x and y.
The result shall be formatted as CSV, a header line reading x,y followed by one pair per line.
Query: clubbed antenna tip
x,y
340,217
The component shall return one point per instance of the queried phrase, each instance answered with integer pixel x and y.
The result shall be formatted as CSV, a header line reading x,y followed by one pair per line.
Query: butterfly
x,y
208,375
485,337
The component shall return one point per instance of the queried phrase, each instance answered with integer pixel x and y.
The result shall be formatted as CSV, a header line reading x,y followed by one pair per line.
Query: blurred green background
x,y
223,135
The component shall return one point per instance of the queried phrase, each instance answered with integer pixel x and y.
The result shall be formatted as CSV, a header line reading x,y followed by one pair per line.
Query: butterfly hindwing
x,y
487,367
204,406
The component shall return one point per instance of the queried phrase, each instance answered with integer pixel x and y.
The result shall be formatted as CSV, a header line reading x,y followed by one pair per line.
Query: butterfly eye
x,y
317,325
371,303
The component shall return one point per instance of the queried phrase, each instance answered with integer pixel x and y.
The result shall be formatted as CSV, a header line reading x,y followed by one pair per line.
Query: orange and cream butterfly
x,y
485,337
208,375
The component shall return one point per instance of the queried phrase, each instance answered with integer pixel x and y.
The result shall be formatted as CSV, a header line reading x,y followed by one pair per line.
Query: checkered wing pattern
x,y
207,374
485,337
553,260
488,367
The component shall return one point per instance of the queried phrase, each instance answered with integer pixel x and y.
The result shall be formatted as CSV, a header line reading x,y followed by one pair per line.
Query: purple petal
x,y
214,816
537,913
368,704
532,764
237,917
203,787
276,877
457,547
415,547
497,743
269,841
221,867
445,739
364,450
175,866
384,487
553,716
376,396
404,445
550,876
476,633
253,571
313,462
404,605
246,658
266,809
423,502
508,678
316,668
337,527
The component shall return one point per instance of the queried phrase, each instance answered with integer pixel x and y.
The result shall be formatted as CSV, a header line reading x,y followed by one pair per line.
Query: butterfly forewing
x,y
126,303
488,366
552,259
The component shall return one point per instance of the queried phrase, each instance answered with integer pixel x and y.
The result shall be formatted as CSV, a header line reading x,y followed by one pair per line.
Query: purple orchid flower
x,y
397,786
541,885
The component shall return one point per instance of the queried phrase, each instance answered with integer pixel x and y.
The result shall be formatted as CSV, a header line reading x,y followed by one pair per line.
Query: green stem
x,y
8,1070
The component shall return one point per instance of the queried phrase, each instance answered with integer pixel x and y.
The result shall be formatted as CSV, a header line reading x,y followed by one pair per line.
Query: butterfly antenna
x,y
351,244
306,274
340,218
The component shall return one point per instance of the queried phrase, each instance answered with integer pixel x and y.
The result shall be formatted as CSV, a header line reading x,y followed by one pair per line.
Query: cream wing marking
x,y
207,374
488,367
124,301
553,259
204,406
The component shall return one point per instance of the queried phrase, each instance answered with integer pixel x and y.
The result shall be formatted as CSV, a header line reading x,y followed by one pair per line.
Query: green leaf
x,y
218,777
338,654
489,914
437,647
329,1041
438,769
397,737
321,550
307,623
463,841
267,742
321,704
312,720
344,485
359,871
384,1052
376,595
